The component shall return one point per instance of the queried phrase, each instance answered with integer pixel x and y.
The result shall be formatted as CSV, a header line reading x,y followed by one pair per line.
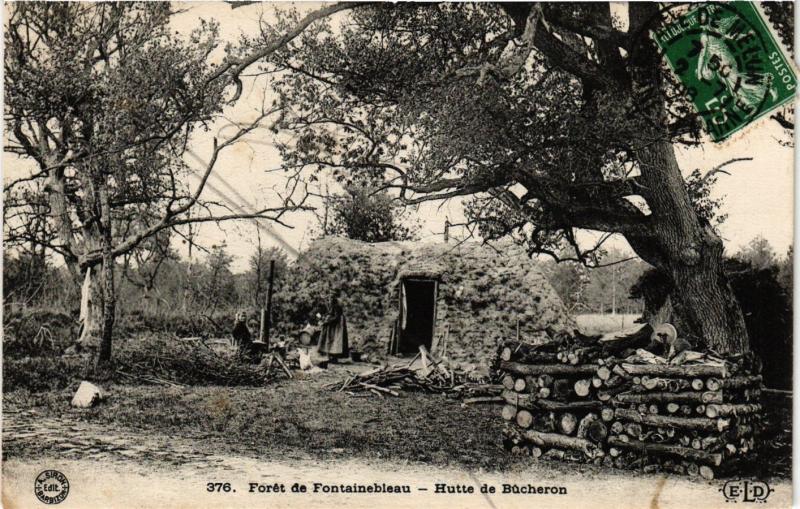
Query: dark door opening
x,y
417,314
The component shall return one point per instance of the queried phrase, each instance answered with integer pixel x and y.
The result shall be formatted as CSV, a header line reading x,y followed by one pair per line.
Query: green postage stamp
x,y
732,67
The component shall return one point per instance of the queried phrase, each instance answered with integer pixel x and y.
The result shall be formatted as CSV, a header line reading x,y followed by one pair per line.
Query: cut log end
x,y
566,423
509,412
583,387
524,419
596,431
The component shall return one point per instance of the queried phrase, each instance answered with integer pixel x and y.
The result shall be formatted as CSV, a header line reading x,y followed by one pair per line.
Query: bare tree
x,y
104,99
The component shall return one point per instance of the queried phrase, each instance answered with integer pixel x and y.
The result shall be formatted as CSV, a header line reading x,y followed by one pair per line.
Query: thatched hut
x,y
458,298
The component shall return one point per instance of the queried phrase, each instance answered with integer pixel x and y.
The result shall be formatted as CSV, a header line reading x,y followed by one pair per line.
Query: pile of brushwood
x,y
430,375
587,400
174,362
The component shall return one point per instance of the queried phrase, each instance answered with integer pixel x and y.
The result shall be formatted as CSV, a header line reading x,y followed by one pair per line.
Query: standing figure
x,y
242,339
333,338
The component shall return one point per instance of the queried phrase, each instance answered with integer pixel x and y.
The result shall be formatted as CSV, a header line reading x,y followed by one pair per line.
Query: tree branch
x,y
236,67
720,168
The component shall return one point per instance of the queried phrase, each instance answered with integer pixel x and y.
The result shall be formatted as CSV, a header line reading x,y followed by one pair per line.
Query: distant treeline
x,y
607,288
604,289
206,291
203,293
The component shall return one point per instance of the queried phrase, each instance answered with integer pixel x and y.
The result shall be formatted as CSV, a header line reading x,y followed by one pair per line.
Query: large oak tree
x,y
549,117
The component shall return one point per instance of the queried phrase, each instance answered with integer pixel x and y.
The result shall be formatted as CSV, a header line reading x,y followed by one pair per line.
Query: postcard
x,y
374,254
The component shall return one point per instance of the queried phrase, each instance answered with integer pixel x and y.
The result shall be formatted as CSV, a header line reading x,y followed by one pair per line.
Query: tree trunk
x,y
714,459
556,440
676,241
91,311
109,295
664,421
689,252
668,370
530,402
56,189
671,397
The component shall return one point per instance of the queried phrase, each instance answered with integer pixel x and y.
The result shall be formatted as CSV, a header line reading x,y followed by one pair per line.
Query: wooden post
x,y
262,325
268,321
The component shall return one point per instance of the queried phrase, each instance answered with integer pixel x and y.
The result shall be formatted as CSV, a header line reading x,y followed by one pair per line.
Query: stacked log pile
x,y
697,415
548,406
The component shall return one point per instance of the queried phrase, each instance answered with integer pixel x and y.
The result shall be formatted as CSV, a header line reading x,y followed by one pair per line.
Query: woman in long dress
x,y
333,338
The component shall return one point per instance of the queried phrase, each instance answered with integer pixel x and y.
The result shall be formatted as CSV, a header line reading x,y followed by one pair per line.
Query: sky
x,y
758,194
244,171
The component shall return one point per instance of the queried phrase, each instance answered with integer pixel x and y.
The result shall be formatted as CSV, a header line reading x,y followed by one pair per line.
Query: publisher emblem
x,y
51,487
743,490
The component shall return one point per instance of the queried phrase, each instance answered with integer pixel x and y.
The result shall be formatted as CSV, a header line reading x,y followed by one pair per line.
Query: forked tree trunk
x,y
688,251
91,309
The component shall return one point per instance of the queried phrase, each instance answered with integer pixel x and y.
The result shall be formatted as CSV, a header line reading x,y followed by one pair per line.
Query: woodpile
x,y
697,414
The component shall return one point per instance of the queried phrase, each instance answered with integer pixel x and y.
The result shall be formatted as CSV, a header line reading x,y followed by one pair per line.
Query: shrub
x,y
36,332
44,373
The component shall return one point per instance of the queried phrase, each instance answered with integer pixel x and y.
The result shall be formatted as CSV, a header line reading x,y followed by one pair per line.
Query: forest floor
x,y
289,417
296,430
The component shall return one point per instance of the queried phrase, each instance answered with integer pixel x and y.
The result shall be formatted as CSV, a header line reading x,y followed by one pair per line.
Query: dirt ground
x,y
153,444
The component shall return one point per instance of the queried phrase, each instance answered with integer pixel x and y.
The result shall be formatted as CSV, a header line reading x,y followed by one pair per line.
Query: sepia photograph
x,y
375,254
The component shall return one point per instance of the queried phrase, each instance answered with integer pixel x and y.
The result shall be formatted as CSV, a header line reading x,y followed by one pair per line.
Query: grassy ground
x,y
140,359
296,417
288,418
597,323
300,419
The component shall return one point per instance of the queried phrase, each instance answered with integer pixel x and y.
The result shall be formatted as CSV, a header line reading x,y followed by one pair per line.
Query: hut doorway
x,y
417,314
